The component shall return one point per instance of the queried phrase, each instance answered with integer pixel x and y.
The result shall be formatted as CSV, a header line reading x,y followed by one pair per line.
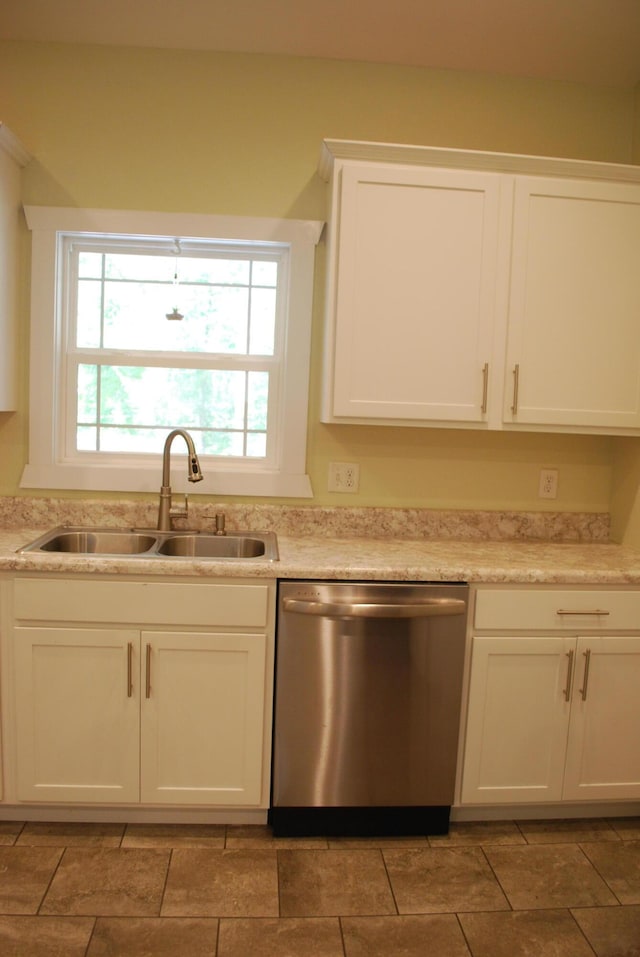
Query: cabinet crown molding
x,y
340,150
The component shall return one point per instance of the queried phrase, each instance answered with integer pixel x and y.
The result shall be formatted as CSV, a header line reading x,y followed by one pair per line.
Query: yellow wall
x,y
625,491
149,129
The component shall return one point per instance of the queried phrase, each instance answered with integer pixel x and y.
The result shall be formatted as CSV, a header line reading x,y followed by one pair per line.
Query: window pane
x,y
135,317
134,406
132,266
89,314
223,443
87,439
256,445
263,321
90,265
215,318
264,273
133,440
222,271
257,400
87,393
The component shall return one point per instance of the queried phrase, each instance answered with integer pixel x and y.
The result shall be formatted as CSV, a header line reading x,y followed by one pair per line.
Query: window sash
x,y
74,356
72,248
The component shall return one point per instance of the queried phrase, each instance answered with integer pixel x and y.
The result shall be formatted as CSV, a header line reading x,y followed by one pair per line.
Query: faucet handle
x,y
180,512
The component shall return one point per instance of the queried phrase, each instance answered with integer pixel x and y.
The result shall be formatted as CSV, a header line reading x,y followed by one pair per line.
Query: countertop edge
x,y
367,559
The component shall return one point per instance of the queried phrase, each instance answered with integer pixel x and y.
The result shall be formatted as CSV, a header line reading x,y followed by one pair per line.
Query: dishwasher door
x,y
367,707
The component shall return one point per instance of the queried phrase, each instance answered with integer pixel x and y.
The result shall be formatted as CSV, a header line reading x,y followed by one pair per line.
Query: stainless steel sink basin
x,y
99,542
149,543
213,546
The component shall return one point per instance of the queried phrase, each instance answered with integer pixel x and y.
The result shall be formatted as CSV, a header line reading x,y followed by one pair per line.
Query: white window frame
x,y
50,466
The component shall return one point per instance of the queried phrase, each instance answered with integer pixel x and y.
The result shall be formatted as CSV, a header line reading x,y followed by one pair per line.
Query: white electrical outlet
x,y
548,487
343,477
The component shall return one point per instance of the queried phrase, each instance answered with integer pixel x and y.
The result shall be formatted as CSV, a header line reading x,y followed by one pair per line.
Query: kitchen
x,y
132,128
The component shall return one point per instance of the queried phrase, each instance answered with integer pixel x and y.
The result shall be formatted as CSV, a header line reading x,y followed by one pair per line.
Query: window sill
x,y
149,479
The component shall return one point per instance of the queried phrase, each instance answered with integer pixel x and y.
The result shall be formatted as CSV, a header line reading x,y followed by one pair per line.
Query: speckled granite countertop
x,y
395,544
362,558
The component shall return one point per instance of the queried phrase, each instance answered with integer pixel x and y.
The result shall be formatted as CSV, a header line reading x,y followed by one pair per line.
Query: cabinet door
x,y
77,714
603,753
414,299
202,718
517,720
574,334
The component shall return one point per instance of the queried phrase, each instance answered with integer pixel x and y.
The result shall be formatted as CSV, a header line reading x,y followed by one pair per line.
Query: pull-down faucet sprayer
x,y
166,512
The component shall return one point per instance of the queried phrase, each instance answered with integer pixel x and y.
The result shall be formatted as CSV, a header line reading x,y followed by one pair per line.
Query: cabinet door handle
x,y
485,387
147,689
516,384
567,687
585,677
130,669
588,611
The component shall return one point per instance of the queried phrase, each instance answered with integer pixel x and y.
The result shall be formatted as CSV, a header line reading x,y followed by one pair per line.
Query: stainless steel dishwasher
x,y
367,707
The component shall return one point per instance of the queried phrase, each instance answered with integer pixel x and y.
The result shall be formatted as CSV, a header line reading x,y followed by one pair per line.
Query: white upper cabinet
x,y
573,347
13,156
415,294
476,290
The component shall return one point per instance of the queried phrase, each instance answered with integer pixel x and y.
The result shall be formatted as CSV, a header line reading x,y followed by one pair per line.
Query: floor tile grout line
x,y
63,851
390,882
597,870
166,881
218,927
497,879
125,831
465,938
342,940
573,918
90,937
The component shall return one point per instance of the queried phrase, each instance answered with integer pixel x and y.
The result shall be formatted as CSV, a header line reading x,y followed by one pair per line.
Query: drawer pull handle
x,y
485,387
130,669
147,690
585,677
588,611
567,687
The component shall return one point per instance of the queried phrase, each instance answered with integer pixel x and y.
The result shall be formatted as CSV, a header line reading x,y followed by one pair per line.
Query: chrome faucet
x,y
166,512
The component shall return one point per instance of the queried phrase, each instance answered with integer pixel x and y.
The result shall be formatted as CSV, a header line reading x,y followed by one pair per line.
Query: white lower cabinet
x,y
554,717
77,728
202,718
603,746
132,714
516,721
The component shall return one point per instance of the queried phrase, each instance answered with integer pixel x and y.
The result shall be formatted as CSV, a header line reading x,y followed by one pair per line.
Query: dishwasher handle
x,y
429,608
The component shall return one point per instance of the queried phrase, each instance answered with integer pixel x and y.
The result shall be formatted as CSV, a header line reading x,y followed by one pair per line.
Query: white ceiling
x,y
588,41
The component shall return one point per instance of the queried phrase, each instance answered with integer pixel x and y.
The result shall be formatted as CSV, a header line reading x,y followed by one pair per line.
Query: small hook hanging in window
x,y
175,313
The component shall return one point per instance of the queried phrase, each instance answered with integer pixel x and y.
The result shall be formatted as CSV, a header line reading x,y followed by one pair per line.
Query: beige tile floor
x,y
528,889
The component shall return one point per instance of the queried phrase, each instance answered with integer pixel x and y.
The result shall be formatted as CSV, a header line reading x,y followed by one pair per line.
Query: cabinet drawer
x,y
576,610
153,603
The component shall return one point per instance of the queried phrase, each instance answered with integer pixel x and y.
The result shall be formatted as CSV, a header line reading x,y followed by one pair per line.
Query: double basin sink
x,y
149,543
